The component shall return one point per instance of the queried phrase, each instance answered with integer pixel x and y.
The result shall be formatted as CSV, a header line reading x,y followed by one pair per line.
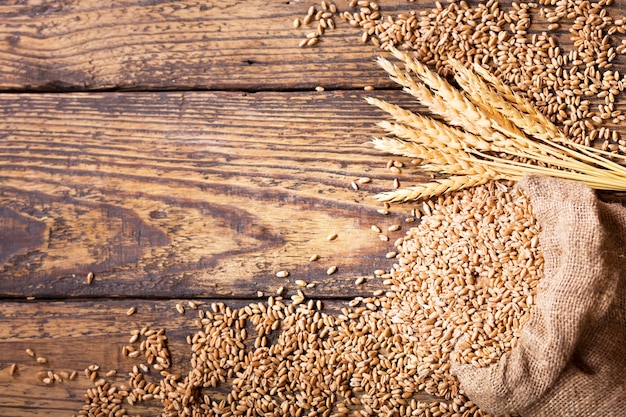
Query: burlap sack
x,y
570,359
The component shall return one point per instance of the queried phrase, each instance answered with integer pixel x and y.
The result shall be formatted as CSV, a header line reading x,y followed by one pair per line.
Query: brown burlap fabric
x,y
570,359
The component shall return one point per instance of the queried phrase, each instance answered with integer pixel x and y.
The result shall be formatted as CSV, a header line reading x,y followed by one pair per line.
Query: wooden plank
x,y
190,194
75,335
220,45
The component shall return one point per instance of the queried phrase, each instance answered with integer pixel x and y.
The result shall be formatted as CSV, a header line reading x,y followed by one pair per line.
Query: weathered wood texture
x,y
90,44
180,194
75,335
218,45
189,194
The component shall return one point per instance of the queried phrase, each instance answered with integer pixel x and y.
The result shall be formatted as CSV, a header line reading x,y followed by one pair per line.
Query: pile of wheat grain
x,y
469,267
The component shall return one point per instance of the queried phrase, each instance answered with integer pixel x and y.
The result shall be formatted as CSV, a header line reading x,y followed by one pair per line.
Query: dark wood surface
x,y
176,150
156,45
199,194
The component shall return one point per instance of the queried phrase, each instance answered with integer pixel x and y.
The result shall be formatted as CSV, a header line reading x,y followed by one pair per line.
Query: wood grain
x,y
218,45
78,334
83,45
189,194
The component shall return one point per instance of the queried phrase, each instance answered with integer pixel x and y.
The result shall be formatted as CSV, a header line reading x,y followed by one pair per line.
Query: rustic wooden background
x,y
176,150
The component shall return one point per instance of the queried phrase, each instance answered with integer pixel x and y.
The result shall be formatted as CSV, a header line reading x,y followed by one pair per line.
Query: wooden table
x,y
175,151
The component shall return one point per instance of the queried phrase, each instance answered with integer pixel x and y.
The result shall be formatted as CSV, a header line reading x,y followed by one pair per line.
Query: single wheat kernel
x,y
282,274
331,270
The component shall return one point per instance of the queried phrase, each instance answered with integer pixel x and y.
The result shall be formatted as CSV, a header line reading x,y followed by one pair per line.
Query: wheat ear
x,y
434,188
461,113
436,160
537,120
451,136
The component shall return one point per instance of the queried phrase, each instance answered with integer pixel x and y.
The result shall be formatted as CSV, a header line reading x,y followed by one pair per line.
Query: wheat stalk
x,y
492,133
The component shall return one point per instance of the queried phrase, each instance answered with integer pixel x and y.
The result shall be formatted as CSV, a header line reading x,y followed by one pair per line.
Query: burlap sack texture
x,y
570,359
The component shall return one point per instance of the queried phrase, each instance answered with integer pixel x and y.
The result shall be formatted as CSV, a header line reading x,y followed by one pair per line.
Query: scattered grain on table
x,y
470,267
